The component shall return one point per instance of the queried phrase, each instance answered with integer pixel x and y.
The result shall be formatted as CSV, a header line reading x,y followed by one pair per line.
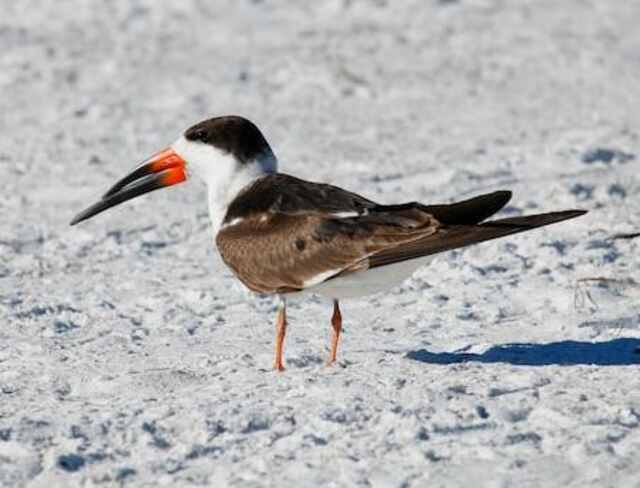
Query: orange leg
x,y
281,330
336,322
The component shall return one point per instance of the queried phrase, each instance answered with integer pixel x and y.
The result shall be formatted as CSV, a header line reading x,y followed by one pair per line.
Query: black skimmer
x,y
283,235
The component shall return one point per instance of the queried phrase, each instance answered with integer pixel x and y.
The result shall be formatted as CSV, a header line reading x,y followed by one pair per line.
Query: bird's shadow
x,y
616,352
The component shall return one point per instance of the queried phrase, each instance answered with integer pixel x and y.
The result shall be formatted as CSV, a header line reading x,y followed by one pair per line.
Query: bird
x,y
285,236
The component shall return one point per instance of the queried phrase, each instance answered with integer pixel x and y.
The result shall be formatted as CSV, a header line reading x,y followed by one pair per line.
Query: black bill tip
x,y
165,168
146,184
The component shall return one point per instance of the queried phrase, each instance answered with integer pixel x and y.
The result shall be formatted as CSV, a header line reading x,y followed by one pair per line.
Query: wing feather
x,y
282,234
288,253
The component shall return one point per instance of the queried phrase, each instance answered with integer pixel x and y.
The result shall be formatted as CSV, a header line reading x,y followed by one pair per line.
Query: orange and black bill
x,y
163,169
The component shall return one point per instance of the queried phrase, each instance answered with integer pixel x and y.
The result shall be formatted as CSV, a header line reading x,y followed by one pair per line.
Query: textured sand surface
x,y
129,356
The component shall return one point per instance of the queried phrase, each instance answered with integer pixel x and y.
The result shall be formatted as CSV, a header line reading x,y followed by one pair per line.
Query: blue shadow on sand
x,y
616,352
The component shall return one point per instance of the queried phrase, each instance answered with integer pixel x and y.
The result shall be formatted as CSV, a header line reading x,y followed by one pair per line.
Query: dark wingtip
x,y
502,197
570,214
537,220
77,219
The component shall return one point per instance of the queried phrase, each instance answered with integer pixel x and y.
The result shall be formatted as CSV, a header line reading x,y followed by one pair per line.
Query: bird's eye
x,y
197,135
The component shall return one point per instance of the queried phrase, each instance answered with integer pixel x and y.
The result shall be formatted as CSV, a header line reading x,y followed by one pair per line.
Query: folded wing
x,y
283,234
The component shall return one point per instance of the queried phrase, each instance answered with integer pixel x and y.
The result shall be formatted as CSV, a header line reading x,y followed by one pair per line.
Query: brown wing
x,y
279,253
283,234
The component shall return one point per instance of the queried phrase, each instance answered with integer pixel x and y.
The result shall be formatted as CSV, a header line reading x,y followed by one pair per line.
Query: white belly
x,y
368,282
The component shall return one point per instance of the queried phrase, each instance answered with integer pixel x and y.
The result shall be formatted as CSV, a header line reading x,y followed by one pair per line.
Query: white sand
x,y
130,356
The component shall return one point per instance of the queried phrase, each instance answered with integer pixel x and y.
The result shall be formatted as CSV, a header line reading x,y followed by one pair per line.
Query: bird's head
x,y
225,152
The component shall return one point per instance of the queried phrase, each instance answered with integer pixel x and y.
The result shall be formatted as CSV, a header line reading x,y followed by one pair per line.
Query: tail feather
x,y
467,212
471,211
457,236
